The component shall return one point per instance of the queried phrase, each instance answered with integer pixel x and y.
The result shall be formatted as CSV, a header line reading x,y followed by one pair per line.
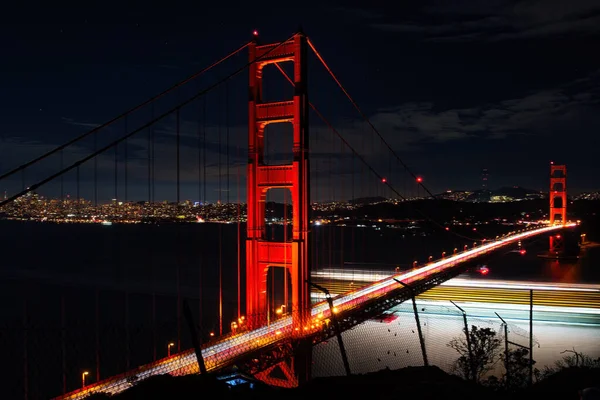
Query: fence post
x,y
419,331
336,325
468,336
63,342
506,361
195,340
25,349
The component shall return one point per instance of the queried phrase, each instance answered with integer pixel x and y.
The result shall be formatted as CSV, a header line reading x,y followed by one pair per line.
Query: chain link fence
x,y
43,359
392,341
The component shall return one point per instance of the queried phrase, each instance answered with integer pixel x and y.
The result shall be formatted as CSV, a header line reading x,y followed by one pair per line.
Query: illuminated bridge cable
x,y
131,110
362,114
374,129
95,173
220,228
239,239
178,260
116,142
202,198
126,162
369,166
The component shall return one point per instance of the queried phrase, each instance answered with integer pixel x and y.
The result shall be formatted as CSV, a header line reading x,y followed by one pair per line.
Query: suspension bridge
x,y
270,326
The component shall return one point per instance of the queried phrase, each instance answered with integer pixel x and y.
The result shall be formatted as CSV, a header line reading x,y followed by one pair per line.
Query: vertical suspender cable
x,y
178,278
116,179
201,116
220,238
227,145
315,184
77,194
126,265
62,182
204,150
152,205
227,137
125,144
352,245
315,240
342,198
97,299
199,144
201,282
239,239
95,173
285,240
331,200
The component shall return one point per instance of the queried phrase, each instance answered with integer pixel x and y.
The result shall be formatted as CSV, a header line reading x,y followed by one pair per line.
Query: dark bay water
x,y
69,292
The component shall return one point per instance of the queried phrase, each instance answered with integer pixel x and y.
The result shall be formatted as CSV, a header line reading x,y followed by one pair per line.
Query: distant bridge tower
x,y
484,179
558,194
558,205
262,254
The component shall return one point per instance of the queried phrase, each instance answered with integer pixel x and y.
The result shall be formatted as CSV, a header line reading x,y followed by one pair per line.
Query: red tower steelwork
x,y
261,254
558,190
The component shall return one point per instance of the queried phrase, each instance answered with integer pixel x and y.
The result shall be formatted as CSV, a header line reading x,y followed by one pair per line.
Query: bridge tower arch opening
x,y
558,205
261,254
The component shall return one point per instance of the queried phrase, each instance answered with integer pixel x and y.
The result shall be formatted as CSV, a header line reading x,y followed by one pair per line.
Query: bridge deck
x,y
225,351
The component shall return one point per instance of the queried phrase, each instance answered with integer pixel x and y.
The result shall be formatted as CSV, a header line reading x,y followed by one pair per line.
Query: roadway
x,y
508,295
222,352
503,292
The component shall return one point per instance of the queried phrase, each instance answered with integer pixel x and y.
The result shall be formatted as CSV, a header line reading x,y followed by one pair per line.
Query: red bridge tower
x,y
558,194
261,254
558,204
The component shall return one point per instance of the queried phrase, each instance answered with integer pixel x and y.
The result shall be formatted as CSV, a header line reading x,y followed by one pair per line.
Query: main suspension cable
x,y
131,110
366,163
146,125
368,120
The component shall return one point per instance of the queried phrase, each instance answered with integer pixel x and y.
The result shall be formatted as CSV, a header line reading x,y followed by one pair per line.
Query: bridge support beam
x,y
293,371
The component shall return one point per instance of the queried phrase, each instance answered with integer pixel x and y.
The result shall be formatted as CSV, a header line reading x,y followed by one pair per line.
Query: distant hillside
x,y
367,200
513,192
516,192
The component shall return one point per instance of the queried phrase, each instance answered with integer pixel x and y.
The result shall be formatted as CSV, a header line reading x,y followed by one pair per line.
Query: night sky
x,y
453,86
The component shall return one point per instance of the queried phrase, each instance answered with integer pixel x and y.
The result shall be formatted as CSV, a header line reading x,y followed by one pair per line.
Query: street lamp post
x,y
169,348
83,375
280,310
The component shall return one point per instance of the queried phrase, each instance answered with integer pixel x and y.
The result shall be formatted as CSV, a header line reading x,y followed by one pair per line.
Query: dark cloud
x,y
411,126
495,20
